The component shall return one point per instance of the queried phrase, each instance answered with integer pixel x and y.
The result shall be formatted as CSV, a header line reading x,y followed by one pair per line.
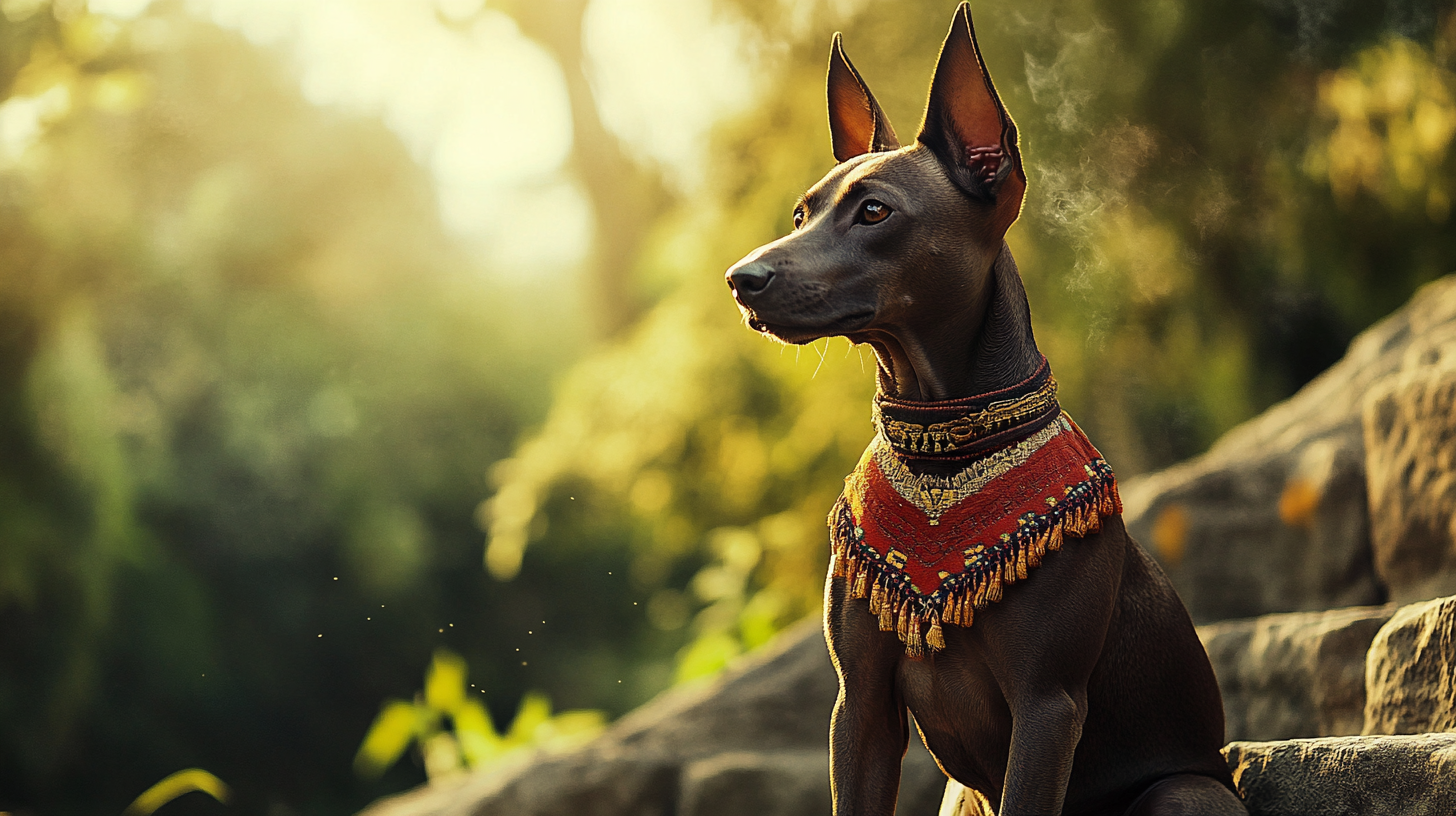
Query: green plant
x,y
455,733
192,779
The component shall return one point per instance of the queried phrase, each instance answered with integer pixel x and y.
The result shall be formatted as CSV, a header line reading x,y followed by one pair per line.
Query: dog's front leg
x,y
1042,643
870,728
1045,729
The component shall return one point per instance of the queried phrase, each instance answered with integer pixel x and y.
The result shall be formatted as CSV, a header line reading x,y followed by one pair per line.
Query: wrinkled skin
x,y
1085,690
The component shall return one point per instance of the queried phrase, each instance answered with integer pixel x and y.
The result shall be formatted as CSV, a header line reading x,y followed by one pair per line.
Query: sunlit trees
x,y
250,390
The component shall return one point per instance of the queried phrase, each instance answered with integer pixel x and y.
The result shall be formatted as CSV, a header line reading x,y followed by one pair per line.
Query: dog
x,y
1084,688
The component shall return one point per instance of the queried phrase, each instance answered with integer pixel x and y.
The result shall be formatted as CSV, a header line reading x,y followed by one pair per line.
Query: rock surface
x,y
782,783
1410,674
1273,518
754,741
1297,674
1410,471
1347,776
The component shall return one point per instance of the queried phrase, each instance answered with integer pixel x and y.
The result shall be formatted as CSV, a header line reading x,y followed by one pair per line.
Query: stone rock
x,y
1410,476
1410,673
1347,776
755,737
782,783
1273,517
1296,674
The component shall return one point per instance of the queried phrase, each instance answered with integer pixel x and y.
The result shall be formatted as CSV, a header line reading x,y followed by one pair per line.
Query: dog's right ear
x,y
856,123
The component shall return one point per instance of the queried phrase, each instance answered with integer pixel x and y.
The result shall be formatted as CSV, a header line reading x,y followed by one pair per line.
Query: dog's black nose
x,y
750,278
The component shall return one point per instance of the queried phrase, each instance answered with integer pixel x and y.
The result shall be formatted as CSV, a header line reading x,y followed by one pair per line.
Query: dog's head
x,y
894,236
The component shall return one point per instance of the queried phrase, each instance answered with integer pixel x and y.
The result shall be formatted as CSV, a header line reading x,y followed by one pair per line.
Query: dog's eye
x,y
799,217
873,212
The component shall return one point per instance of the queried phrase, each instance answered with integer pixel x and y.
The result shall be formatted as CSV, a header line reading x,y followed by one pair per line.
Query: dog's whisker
x,y
822,354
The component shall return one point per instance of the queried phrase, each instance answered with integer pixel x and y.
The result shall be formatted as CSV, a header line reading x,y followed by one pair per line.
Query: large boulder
x,y
752,741
1410,473
1296,674
1347,776
1410,673
1273,517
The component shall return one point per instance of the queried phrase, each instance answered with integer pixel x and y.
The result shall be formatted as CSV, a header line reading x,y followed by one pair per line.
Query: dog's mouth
x,y
798,334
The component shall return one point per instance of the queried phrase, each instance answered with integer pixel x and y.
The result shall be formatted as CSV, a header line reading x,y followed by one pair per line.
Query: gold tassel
x,y
935,638
993,589
887,616
968,614
902,622
1021,565
914,649
912,638
877,598
860,581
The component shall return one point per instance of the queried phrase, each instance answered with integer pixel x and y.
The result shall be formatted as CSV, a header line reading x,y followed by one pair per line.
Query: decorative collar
x,y
960,429
953,501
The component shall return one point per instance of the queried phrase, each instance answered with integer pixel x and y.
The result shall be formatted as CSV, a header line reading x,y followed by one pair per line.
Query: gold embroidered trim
x,y
947,437
934,495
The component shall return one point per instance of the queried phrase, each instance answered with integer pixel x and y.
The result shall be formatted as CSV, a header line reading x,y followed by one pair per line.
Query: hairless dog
x,y
1044,656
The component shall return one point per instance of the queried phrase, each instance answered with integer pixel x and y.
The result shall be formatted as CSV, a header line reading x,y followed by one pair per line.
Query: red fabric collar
x,y
929,547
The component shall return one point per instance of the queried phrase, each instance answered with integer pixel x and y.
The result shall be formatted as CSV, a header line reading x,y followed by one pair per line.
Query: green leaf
x,y
445,682
397,724
192,779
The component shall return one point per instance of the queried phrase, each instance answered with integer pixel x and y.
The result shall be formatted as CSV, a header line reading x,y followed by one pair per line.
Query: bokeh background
x,y
341,336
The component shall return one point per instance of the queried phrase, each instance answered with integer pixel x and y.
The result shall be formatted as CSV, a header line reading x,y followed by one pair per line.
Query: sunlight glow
x,y
482,106
665,72
486,109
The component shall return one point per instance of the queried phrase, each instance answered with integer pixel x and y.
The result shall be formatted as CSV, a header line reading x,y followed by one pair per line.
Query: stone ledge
x,y
1295,674
1411,775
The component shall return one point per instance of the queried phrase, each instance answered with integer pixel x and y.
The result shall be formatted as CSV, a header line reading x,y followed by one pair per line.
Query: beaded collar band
x,y
962,429
952,501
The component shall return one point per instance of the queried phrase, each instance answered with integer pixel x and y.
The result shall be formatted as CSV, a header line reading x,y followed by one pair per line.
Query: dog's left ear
x,y
856,123
968,128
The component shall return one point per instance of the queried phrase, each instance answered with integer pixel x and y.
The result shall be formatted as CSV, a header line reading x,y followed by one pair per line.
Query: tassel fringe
x,y
917,619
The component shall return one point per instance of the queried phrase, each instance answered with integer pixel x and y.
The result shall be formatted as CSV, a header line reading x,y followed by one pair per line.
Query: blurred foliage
x,y
249,390
178,784
454,733
1221,196
252,395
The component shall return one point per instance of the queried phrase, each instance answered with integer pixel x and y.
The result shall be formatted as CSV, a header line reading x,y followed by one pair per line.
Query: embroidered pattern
x,y
936,494
928,548
956,434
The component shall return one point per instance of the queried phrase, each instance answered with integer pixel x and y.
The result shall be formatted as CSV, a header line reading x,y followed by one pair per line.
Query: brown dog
x,y
1082,690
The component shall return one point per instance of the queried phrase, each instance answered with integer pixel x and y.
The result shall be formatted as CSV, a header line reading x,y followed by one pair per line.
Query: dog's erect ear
x,y
968,128
856,122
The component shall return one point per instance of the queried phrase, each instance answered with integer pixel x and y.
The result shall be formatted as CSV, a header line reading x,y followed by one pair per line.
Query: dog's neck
x,y
993,348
